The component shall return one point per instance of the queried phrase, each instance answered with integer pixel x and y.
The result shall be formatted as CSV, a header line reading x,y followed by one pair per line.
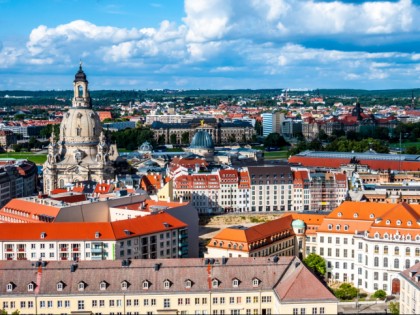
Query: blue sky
x,y
210,44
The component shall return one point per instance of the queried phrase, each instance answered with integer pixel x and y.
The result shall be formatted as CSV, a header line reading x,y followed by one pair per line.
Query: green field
x,y
276,155
34,157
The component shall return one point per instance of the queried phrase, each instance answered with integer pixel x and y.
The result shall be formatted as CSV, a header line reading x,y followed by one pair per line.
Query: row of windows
x,y
302,310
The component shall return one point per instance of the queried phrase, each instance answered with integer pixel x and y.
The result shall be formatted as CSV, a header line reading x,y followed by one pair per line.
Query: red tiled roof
x,y
86,230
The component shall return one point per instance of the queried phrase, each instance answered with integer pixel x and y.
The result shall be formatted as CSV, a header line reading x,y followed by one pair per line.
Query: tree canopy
x,y
316,263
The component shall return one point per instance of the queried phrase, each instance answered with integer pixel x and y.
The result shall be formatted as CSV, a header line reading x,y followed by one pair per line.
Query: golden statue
x,y
202,122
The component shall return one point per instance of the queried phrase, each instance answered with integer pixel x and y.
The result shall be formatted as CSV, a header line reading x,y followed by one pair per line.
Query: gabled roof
x,y
303,286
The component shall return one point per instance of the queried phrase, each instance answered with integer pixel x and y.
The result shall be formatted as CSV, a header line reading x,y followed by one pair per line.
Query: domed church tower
x,y
83,152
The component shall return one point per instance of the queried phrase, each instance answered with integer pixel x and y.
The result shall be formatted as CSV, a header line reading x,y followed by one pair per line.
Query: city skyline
x,y
201,44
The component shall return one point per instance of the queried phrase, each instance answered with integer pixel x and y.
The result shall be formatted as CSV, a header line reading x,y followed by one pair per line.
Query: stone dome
x,y
298,224
80,125
202,140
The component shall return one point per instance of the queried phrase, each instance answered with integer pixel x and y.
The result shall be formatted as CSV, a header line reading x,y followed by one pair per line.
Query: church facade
x,y
82,152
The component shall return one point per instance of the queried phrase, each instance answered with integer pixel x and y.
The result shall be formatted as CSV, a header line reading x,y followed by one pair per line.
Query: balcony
x,y
63,249
96,250
21,249
75,249
9,249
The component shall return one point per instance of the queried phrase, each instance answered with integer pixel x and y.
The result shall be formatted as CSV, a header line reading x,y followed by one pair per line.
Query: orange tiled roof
x,y
86,230
33,210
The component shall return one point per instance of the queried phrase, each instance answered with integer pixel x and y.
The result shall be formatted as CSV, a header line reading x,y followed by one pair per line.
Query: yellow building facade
x,y
277,285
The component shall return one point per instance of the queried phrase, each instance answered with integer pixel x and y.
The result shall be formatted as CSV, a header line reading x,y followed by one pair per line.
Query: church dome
x,y
202,140
80,125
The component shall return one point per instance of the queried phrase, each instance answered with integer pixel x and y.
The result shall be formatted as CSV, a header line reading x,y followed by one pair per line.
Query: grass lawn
x,y
36,158
272,155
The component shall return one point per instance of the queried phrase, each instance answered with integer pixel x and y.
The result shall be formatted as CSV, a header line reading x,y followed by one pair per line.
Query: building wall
x,y
409,297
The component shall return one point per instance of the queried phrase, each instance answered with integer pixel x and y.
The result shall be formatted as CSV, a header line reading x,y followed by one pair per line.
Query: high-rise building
x,y
83,152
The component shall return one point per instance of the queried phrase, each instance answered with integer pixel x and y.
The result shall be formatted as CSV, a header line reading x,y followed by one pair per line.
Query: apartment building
x,y
159,235
410,290
18,178
369,244
271,188
278,285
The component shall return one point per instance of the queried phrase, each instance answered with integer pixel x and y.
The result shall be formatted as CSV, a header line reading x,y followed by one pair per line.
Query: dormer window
x,y
97,235
371,216
235,283
31,287
9,287
346,227
329,226
215,283
339,214
356,215
408,223
43,234
398,222
60,286
388,222
338,227
166,284
255,282
188,284
146,285
221,244
81,286
215,243
124,285
102,285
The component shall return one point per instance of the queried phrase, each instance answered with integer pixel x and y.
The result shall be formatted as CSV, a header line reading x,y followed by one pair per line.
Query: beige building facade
x,y
172,286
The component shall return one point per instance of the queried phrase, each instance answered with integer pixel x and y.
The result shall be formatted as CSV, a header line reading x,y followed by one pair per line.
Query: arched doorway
x,y
395,286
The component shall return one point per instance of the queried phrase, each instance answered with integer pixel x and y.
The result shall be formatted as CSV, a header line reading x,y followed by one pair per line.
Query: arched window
x,y
376,262
329,226
396,250
61,183
235,283
407,251
407,263
385,262
60,286
376,249
188,284
417,252
124,285
215,283
396,263
81,286
385,276
385,249
80,91
145,284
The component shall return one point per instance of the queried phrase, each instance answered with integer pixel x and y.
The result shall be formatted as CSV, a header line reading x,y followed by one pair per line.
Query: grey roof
x,y
263,175
369,155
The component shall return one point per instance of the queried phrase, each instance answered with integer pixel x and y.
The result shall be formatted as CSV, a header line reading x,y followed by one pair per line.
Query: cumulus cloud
x,y
250,38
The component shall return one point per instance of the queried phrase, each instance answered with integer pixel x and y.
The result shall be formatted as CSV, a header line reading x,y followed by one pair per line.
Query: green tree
x,y
185,138
161,139
394,308
316,263
379,294
173,138
17,147
19,117
274,140
411,149
346,292
46,131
